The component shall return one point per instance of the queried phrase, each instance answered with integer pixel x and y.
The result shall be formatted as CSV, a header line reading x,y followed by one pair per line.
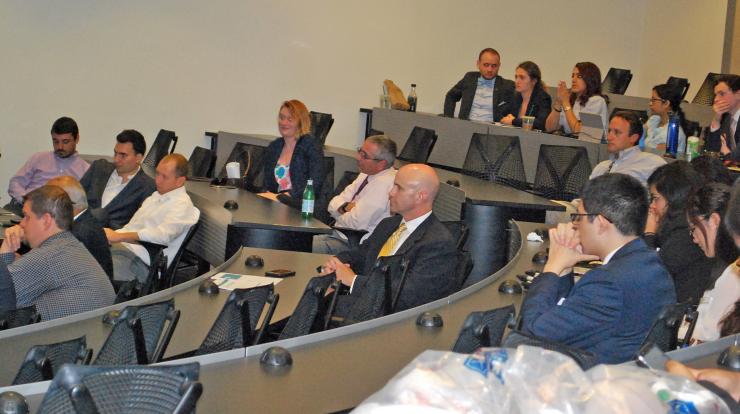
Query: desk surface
x,y
255,211
197,311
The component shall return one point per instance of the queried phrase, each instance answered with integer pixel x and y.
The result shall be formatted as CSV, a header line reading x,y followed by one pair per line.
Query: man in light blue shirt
x,y
485,96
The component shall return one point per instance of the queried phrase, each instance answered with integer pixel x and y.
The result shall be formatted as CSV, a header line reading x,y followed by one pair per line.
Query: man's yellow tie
x,y
390,244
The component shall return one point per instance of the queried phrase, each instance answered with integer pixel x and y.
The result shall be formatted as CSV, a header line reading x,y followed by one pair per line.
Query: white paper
x,y
231,281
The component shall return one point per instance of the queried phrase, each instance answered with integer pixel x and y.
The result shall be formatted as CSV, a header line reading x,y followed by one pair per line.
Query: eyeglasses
x,y
364,155
575,217
653,100
655,197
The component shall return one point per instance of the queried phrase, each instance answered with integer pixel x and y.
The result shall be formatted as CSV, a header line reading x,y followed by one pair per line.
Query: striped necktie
x,y
390,244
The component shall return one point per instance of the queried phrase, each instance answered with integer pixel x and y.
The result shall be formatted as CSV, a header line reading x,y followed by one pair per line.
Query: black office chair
x,y
616,81
201,162
124,389
705,94
643,115
496,158
160,148
584,359
681,84
463,269
321,124
42,361
561,172
372,132
19,317
139,335
382,290
251,164
483,329
664,331
459,231
308,315
418,146
324,195
236,324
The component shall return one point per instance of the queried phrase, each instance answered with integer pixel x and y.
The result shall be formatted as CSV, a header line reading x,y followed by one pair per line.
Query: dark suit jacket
x,y
713,140
539,106
89,232
432,257
690,268
123,206
609,311
503,94
307,162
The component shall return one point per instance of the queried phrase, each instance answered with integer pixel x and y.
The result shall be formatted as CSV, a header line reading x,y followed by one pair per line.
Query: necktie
x,y
359,189
390,244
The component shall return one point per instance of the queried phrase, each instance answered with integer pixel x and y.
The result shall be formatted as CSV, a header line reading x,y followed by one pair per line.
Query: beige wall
x,y
193,66
734,46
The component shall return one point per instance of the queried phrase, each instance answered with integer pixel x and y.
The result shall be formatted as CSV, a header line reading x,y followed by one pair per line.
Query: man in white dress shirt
x,y
625,130
164,218
362,204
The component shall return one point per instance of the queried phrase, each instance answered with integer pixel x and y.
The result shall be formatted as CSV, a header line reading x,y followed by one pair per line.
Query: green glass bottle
x,y
308,201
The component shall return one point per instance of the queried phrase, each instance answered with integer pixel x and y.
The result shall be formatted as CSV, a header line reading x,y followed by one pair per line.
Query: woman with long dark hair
x,y
665,100
530,98
706,209
584,95
668,229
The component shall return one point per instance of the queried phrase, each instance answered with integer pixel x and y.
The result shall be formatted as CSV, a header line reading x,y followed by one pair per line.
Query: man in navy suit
x,y
485,96
724,134
611,309
115,191
415,233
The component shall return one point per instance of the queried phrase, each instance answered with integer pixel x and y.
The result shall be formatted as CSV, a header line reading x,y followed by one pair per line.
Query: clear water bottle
x,y
412,98
308,201
671,145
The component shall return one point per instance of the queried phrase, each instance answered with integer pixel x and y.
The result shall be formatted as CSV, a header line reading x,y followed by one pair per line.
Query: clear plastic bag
x,y
534,380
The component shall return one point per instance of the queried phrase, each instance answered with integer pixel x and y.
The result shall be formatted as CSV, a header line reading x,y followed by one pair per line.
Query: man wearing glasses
x,y
610,310
364,203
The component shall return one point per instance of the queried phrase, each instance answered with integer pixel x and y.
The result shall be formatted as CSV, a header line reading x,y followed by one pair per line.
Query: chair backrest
x,y
459,231
42,361
139,335
664,331
419,145
483,329
308,314
449,203
160,148
616,81
321,125
371,132
157,269
643,115
463,269
325,195
383,288
236,324
251,160
561,171
19,317
169,276
496,158
681,84
705,94
132,389
201,162
584,359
